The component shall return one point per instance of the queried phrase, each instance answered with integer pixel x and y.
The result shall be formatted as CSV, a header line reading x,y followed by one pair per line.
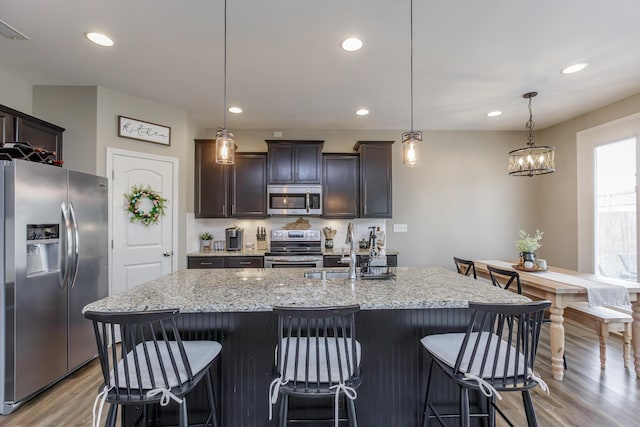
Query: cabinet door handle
x,y
224,210
206,263
245,262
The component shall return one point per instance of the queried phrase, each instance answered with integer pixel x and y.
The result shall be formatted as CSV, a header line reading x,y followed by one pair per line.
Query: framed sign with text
x,y
143,131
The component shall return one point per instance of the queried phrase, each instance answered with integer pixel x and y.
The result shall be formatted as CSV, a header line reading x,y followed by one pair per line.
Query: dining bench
x,y
604,320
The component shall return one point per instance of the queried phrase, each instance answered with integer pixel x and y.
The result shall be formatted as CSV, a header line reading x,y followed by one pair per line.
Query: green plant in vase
x,y
528,245
205,241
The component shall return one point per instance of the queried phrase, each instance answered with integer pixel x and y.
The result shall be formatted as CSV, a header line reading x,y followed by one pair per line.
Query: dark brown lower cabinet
x,y
225,262
244,262
205,262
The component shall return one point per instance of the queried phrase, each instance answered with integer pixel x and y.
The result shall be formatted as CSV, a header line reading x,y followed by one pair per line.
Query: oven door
x,y
292,262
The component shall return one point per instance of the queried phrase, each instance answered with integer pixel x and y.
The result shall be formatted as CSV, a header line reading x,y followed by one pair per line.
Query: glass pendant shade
x,y
225,147
411,148
532,160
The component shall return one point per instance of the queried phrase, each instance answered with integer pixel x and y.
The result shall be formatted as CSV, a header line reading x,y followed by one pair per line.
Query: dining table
x,y
562,287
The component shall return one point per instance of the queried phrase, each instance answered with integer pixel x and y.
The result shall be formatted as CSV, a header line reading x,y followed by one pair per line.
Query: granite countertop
x,y
261,253
234,290
244,252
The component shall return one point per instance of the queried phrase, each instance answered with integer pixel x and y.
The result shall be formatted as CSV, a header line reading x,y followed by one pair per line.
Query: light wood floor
x,y
587,397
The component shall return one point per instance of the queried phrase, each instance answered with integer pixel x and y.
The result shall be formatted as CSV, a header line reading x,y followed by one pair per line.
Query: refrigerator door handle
x,y
76,246
68,250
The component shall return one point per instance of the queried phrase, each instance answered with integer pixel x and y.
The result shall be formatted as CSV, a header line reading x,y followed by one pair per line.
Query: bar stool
x,y
465,267
495,355
153,364
317,356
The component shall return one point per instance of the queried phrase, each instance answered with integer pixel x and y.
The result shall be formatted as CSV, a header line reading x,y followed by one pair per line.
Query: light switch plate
x,y
400,228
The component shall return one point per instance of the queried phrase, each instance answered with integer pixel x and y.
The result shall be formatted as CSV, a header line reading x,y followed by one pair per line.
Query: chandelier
x,y
225,145
411,141
532,159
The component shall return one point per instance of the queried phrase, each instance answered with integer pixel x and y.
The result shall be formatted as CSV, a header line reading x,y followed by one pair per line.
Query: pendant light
x,y
225,145
532,159
411,141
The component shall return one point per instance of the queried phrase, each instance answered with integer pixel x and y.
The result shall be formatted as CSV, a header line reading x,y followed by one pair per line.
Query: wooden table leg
x,y
556,334
635,335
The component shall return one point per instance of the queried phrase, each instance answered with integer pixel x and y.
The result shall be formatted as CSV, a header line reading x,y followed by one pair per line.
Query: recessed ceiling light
x,y
362,112
235,110
574,68
351,44
494,113
100,39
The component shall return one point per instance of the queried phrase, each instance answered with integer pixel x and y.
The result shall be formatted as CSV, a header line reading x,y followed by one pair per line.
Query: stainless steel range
x,y
293,249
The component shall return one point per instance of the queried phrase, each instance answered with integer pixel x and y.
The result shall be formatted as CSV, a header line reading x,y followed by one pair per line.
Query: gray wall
x,y
460,201
73,108
15,92
557,193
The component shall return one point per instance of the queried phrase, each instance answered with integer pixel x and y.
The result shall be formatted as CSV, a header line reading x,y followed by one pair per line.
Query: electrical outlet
x,y
400,228
277,134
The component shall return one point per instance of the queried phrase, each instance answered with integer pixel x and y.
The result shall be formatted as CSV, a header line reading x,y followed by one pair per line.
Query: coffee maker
x,y
234,238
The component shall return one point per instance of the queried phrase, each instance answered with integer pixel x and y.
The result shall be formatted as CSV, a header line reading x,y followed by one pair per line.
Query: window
x,y
607,201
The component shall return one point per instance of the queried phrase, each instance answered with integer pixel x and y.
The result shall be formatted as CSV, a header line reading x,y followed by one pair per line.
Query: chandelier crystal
x,y
532,159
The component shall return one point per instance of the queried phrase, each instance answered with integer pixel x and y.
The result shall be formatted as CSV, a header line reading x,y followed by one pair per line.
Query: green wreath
x,y
133,205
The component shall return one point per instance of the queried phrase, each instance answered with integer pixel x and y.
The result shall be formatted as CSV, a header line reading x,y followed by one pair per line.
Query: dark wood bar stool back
x,y
317,356
505,278
465,267
495,355
151,364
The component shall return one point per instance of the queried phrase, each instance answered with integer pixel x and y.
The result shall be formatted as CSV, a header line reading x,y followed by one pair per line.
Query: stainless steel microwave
x,y
294,199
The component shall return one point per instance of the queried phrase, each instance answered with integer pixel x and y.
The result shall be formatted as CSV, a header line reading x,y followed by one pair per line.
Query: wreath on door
x,y
137,195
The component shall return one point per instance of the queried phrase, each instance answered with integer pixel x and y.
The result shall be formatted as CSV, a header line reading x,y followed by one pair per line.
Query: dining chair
x,y
504,278
495,355
465,267
317,356
151,364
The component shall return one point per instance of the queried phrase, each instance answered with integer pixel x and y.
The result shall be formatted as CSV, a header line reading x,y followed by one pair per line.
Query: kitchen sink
x,y
326,274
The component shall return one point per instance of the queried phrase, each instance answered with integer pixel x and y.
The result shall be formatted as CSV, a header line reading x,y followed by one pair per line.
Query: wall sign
x,y
143,131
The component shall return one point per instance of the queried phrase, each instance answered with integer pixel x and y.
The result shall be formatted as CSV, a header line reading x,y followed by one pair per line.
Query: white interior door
x,y
141,253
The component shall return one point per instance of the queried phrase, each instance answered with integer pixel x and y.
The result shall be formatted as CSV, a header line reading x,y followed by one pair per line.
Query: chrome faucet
x,y
352,260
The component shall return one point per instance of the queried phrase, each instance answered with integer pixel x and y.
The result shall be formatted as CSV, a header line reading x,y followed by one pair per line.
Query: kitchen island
x,y
233,306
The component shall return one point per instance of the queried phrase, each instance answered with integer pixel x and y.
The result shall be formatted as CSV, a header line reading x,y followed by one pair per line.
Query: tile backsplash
x,y
216,227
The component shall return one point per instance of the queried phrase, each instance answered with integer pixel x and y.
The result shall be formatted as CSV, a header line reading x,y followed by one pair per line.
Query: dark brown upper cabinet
x,y
17,126
340,185
7,132
211,182
225,191
249,186
294,162
376,198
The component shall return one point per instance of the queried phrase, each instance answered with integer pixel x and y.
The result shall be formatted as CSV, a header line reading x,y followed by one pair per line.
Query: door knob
x,y
167,253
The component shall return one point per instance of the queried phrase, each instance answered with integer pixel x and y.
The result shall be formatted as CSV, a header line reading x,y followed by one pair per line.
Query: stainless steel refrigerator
x,y
53,262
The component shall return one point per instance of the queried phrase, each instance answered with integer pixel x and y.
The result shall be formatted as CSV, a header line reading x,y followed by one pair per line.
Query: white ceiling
x,y
286,70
